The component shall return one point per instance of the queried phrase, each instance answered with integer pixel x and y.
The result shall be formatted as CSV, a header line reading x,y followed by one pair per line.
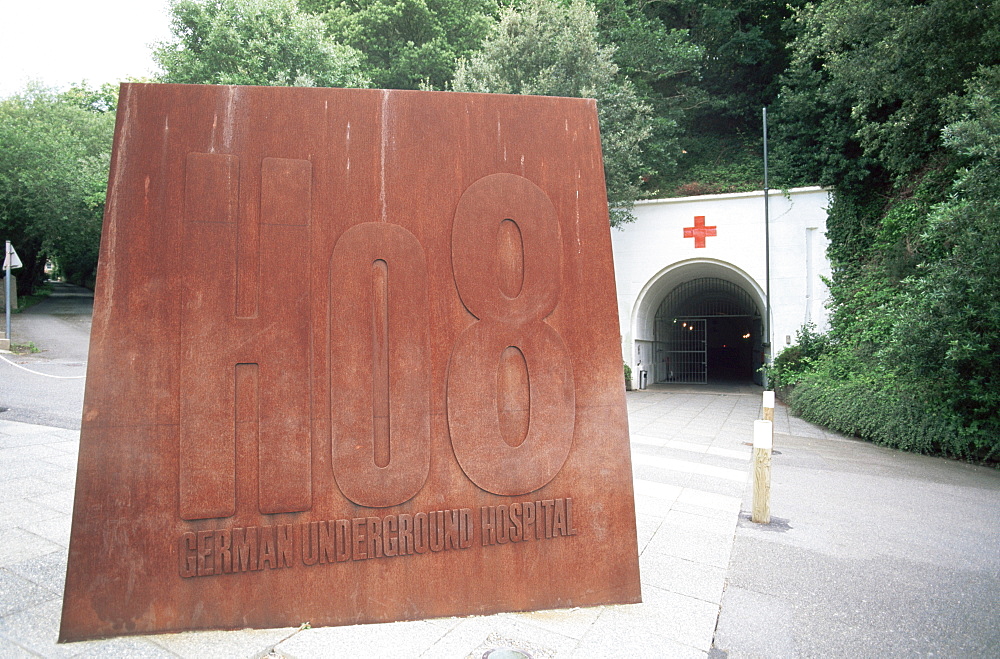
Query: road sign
x,y
11,260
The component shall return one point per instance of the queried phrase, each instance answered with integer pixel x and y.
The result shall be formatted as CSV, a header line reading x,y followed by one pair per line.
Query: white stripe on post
x,y
769,406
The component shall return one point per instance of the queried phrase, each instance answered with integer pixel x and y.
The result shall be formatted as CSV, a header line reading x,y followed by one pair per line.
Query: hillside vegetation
x,y
895,104
892,103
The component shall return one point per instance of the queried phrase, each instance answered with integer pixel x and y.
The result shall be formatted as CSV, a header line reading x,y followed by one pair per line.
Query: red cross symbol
x,y
699,231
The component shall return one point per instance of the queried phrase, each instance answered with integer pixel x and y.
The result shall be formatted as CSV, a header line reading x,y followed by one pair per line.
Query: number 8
x,y
509,322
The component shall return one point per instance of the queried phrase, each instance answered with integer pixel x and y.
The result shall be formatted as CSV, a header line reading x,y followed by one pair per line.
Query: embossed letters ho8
x,y
506,255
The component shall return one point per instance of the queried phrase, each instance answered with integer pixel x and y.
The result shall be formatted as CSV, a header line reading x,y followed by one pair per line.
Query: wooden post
x,y
769,406
762,440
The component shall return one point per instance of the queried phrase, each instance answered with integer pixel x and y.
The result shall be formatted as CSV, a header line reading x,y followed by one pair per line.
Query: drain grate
x,y
502,646
506,653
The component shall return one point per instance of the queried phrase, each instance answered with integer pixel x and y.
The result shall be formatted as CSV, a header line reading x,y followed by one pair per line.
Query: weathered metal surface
x,y
354,359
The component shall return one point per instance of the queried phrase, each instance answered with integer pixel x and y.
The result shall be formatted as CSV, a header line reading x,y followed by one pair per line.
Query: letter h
x,y
245,409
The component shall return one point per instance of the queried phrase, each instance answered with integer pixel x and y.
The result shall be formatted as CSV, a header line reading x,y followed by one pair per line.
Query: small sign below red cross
x,y
699,231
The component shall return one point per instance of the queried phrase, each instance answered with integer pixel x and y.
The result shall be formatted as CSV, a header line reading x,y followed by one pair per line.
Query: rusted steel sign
x,y
355,358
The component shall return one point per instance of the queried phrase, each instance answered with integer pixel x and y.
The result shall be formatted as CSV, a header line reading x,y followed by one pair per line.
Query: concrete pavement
x,y
871,552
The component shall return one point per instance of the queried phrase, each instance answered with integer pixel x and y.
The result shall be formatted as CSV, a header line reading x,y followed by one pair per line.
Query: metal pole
x,y
6,278
767,257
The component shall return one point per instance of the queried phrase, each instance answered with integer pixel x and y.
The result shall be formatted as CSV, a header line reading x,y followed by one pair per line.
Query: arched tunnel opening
x,y
707,330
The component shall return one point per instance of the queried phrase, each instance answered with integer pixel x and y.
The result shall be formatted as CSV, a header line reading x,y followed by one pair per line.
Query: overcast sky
x,y
61,42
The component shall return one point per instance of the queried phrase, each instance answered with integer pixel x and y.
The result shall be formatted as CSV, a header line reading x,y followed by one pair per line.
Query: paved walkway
x,y
872,552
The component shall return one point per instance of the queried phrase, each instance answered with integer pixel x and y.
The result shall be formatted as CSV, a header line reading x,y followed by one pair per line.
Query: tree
x,y
254,42
664,65
54,158
99,99
867,79
743,52
550,48
408,44
745,49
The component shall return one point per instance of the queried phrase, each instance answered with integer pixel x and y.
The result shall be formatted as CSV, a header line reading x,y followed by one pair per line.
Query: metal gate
x,y
682,324
685,353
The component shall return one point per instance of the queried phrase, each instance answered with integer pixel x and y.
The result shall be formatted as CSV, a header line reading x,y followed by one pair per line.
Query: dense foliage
x,y
895,103
662,64
742,45
254,42
406,44
548,48
54,156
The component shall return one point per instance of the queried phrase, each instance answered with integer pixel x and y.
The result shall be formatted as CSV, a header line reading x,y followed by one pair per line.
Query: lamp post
x,y
767,261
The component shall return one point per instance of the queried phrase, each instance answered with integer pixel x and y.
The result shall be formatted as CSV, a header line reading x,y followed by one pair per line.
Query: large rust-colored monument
x,y
355,358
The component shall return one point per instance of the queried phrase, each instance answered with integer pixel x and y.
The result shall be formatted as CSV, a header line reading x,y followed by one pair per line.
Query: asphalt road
x,y
871,552
59,326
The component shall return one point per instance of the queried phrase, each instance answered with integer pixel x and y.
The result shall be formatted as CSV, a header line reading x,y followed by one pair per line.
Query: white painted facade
x,y
653,257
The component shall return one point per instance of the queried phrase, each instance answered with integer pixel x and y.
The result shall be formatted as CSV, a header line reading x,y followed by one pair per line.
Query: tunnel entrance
x,y
707,330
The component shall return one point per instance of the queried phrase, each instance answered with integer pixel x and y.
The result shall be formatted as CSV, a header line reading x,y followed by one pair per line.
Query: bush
x,y
798,359
883,410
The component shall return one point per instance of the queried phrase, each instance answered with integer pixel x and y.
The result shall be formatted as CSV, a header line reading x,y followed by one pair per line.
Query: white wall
x,y
652,256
